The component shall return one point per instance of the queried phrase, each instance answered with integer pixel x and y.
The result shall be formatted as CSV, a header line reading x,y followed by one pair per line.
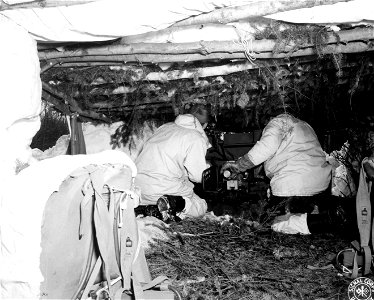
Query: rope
x,y
247,46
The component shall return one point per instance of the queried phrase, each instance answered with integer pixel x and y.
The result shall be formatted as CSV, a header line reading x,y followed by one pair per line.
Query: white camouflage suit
x,y
294,159
172,158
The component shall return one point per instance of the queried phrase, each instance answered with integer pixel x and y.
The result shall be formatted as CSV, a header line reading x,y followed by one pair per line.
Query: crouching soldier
x,y
169,162
294,162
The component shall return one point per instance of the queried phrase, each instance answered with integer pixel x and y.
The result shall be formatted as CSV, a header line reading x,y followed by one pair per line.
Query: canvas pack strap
x,y
131,255
103,220
367,260
91,281
355,266
129,240
139,288
85,209
134,267
364,218
158,280
132,258
84,229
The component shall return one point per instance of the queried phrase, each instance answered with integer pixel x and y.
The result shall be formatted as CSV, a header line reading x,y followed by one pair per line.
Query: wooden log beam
x,y
63,108
148,105
88,64
191,33
201,48
232,32
254,9
208,71
109,105
47,66
354,47
73,104
199,72
182,74
192,73
218,71
57,104
42,3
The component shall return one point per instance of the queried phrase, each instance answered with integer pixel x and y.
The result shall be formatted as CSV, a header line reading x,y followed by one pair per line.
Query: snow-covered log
x,y
254,9
41,3
354,47
259,48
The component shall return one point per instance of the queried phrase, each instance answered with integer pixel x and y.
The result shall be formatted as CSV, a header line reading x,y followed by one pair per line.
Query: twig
x,y
196,234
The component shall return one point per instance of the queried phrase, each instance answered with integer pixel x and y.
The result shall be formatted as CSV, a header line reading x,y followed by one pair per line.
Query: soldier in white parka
x,y
294,162
170,161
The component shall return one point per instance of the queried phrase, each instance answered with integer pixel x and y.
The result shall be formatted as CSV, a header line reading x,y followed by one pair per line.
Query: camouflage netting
x,y
332,93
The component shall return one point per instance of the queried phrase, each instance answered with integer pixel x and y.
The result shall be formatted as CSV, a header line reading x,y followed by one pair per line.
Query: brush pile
x,y
229,258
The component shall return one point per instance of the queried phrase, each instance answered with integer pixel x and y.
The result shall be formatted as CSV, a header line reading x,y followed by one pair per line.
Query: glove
x,y
241,165
231,166
244,163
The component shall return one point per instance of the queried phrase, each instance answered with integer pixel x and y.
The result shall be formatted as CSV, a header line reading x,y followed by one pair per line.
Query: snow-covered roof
x,y
109,19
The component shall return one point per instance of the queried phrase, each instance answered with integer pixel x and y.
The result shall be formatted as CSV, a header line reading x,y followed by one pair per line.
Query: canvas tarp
x,y
353,12
20,95
103,20
109,19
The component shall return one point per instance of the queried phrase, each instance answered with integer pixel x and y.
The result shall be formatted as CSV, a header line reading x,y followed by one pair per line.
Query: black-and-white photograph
x,y
187,149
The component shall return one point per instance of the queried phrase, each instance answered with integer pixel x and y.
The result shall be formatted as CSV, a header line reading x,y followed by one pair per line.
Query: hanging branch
x,y
73,104
353,89
255,9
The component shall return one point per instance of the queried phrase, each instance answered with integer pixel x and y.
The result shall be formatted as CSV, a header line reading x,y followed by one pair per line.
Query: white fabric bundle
x,y
291,224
